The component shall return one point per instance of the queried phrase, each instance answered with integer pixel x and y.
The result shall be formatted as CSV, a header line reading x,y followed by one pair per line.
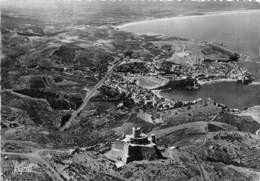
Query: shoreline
x,y
124,27
215,81
256,83
180,16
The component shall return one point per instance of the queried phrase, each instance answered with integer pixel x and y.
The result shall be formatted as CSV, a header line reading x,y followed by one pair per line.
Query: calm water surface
x,y
239,31
230,93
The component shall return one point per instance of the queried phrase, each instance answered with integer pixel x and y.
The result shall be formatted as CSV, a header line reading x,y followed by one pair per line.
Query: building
x,y
134,147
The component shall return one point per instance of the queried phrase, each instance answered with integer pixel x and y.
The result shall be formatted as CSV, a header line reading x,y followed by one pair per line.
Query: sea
x,y
237,30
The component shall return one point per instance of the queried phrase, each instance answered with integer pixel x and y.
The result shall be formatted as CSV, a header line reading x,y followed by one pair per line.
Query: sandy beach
x,y
181,16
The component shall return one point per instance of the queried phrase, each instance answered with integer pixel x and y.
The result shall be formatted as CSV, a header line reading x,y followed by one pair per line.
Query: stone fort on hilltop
x,y
135,147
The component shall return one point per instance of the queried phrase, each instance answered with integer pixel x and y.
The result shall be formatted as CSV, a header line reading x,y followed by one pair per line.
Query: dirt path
x,y
88,96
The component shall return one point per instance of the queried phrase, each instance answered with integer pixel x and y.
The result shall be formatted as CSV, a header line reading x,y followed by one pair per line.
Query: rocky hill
x,y
49,72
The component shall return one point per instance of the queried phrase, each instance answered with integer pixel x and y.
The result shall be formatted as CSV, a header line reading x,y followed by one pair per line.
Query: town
x,y
84,100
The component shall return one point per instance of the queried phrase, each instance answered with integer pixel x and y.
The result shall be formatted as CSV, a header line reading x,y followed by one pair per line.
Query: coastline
x,y
180,16
124,27
256,83
215,81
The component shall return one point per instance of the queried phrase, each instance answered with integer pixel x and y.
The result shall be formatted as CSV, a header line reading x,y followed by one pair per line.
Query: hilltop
x,y
50,70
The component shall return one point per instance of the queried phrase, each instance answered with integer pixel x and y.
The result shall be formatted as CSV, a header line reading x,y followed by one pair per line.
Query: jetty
x,y
232,54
